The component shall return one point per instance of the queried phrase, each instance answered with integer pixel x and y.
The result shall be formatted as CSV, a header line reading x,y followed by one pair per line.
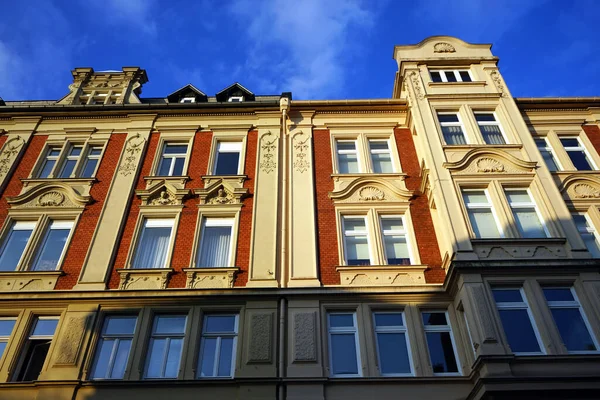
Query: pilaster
x,y
18,132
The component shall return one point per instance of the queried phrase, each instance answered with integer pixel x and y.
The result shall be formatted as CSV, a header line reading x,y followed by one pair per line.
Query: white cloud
x,y
134,13
302,46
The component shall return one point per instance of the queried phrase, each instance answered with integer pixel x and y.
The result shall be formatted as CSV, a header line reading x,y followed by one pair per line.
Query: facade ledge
x,y
176,181
234,180
519,248
81,186
456,84
28,280
151,278
382,275
210,278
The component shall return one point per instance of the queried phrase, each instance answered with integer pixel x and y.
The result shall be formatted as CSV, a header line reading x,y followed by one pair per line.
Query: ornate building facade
x,y
441,243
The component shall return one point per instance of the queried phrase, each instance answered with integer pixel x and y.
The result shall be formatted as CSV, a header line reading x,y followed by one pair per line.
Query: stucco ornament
x,y
416,80
222,197
585,191
488,165
164,198
443,47
134,146
495,75
51,199
371,193
9,153
268,148
301,163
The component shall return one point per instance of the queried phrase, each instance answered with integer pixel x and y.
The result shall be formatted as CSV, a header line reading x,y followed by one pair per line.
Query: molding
x,y
382,275
579,188
222,190
50,195
134,279
164,192
29,280
210,278
519,248
371,190
490,161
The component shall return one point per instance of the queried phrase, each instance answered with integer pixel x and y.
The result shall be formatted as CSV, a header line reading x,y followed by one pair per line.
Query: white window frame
x,y
581,147
117,338
230,146
24,225
481,206
401,232
379,151
173,157
496,122
523,305
548,148
531,204
167,336
441,328
344,330
392,329
30,336
455,72
64,149
214,222
218,336
355,151
52,224
460,123
590,229
69,157
158,222
187,100
366,233
235,99
89,156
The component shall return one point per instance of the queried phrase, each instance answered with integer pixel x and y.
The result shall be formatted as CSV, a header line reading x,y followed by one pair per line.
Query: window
x,y
588,233
114,347
392,344
91,161
381,156
13,246
173,159
489,128
154,244
547,154
450,75
481,214
228,158
570,319
347,157
49,162
394,240
577,153
6,328
356,241
165,347
36,348
517,321
344,356
440,343
53,246
452,128
525,213
215,243
218,346
236,99
70,161
188,100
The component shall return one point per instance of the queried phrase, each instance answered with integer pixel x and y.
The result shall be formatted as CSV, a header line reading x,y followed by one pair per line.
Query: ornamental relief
x,y
268,153
132,155
301,152
582,189
9,153
49,196
485,161
163,193
221,192
443,47
370,191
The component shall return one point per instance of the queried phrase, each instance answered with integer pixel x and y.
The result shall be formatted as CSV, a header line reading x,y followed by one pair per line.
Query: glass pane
x,y
441,352
570,142
518,196
89,168
434,318
549,160
95,151
120,325
558,294
475,196
572,329
448,117
507,295
53,152
2,348
393,354
68,168
176,149
173,358
454,135
76,151
51,250
519,331
341,320
207,356
121,358
44,327
227,164
580,160
378,145
396,250
528,223
357,250
464,75
348,163
450,77
435,76
388,319
354,224
166,324
13,249
492,134
219,323
382,163
6,327
346,146
156,353
483,223
165,166
215,246
47,168
178,169
152,248
343,355
591,243
225,357
392,224
485,117
104,351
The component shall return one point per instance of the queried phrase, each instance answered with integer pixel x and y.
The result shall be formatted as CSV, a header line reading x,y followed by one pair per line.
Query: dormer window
x,y
451,75
188,100
236,99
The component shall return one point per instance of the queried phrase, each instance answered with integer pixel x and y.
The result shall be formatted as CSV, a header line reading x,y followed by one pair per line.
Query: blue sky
x,y
325,49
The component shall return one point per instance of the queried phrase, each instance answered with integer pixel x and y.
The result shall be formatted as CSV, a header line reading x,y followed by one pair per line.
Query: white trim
x,y
441,329
450,124
525,205
393,329
481,206
172,158
357,233
218,336
344,330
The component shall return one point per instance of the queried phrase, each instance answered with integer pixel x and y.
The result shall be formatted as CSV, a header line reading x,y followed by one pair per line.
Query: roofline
x,y
557,99
234,84
183,87
349,102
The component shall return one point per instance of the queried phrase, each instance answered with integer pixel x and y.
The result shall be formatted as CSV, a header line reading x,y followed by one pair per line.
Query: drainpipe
x,y
281,395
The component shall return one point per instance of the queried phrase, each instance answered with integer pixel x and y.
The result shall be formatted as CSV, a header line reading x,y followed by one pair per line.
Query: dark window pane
x,y
51,250
441,352
572,329
166,324
13,249
464,75
44,327
47,168
225,357
448,117
450,76
435,76
359,262
165,166
388,319
220,323
570,142
121,359
176,149
178,169
89,168
34,360
227,164
558,294
507,295
207,358
120,325
393,354
343,354
435,318
105,349
341,320
485,117
68,168
519,332
580,160
453,135
6,327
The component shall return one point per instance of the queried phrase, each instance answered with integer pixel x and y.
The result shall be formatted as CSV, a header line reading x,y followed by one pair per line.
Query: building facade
x,y
441,243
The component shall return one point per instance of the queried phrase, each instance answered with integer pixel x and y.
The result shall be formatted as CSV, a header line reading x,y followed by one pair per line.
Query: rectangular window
x,y
172,160
547,154
588,234
527,218
114,347
36,348
165,347
154,243
53,246
452,128
577,153
392,344
450,76
218,346
440,343
90,163
356,241
6,327
344,356
570,319
227,160
347,155
517,320
381,156
481,214
70,161
215,248
49,162
13,246
489,128
394,240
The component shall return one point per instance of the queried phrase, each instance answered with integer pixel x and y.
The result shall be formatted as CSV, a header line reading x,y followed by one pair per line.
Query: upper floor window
x,y
481,213
6,327
188,100
165,347
228,158
392,344
371,152
395,240
588,233
440,343
14,244
489,128
218,346
35,348
525,213
347,157
356,240
52,246
154,243
344,354
449,75
381,156
114,347
547,153
452,128
215,243
236,99
577,153
172,159
70,161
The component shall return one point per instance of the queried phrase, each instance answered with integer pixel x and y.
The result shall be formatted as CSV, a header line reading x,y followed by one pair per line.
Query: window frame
x,y
225,212
550,150
185,336
152,213
172,138
203,335
26,339
356,151
395,329
224,137
455,72
228,222
366,233
590,228
441,329
140,235
488,123
582,147
460,123
533,204
105,315
389,151
64,147
362,138
344,330
479,206
7,339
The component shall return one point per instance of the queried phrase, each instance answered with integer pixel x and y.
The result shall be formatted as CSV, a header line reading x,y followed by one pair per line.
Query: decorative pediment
x,y
50,195
371,190
163,193
581,188
490,161
221,192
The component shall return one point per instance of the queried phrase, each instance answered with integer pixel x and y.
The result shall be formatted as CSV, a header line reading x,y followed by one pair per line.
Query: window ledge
x,y
209,179
210,278
177,181
519,248
400,175
463,84
32,181
28,280
507,146
150,278
382,275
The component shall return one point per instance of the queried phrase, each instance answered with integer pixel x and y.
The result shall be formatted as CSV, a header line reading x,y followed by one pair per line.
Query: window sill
x,y
457,84
210,278
209,179
81,186
400,175
507,146
150,278
179,181
28,280
382,275
511,248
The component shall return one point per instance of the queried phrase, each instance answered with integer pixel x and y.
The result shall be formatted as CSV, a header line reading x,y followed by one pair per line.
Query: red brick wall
x,y
593,133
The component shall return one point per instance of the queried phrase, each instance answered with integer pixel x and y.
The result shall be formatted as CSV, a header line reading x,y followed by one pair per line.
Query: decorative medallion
x,y
585,191
222,197
128,166
495,75
443,47
487,165
417,85
164,198
371,193
268,148
51,199
301,164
